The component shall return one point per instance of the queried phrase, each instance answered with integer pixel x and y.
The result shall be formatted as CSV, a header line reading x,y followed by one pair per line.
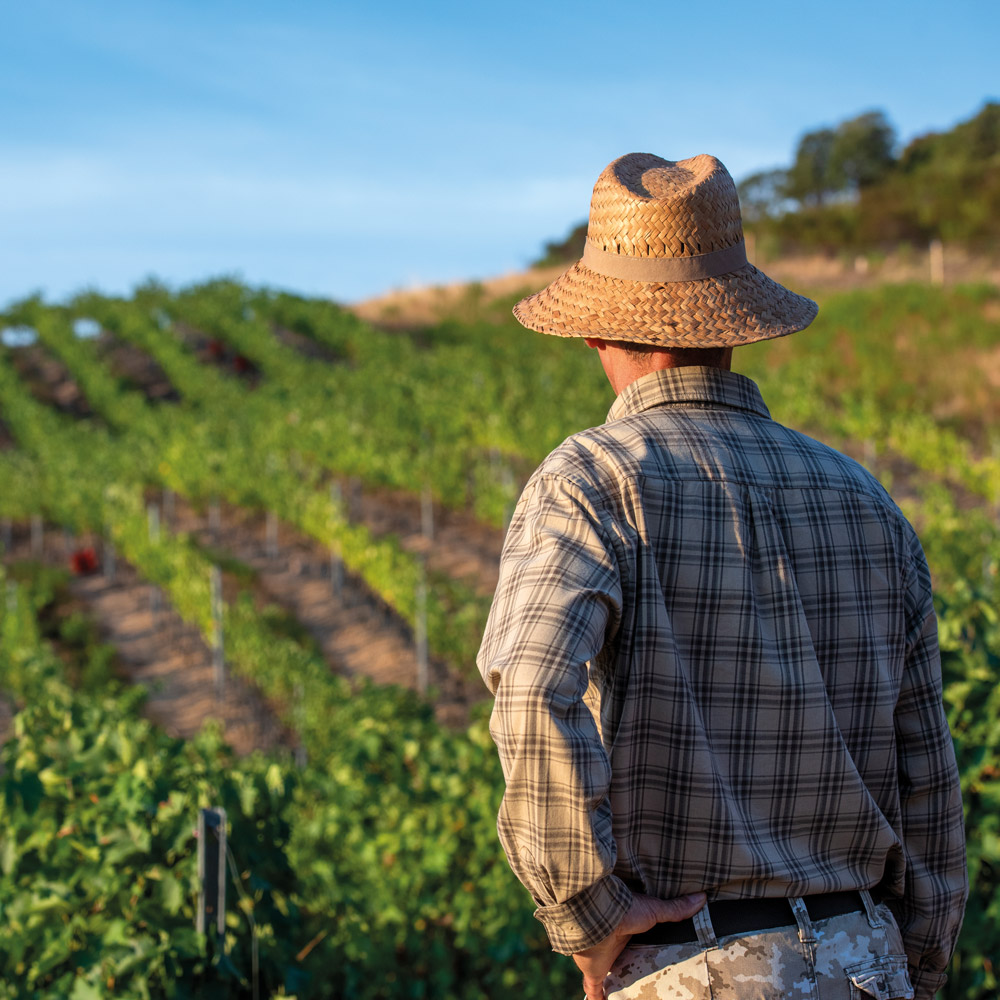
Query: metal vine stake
x,y
218,640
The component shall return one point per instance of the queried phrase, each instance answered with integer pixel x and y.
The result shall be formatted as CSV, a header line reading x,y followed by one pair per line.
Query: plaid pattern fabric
x,y
715,663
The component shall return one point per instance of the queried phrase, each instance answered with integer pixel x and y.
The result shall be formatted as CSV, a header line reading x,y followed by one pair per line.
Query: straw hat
x,y
665,264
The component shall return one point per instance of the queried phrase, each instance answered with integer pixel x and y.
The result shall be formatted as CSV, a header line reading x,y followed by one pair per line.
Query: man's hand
x,y
595,962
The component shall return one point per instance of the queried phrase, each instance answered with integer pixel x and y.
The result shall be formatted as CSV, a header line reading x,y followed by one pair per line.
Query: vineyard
x,y
240,505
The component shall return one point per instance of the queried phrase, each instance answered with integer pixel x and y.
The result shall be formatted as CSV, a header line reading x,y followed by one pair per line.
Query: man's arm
x,y
645,912
936,885
557,602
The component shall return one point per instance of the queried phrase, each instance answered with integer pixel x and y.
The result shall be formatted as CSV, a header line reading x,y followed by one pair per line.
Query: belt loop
x,y
807,937
874,920
704,929
806,934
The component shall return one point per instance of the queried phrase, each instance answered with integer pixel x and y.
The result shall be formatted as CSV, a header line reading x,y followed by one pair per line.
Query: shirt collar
x,y
712,386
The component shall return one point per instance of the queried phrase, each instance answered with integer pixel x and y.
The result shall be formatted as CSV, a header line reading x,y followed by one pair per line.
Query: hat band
x,y
703,265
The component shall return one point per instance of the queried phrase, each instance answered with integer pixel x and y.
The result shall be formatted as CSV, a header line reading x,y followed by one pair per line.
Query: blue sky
x,y
345,149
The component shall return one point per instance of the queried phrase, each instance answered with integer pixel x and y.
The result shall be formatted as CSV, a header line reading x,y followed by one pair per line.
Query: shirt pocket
x,y
884,978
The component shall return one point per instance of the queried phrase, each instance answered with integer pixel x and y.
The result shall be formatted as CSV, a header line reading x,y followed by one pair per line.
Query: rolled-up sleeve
x,y
557,603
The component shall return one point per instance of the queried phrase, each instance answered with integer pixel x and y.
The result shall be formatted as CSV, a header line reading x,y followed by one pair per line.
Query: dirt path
x,y
137,368
459,546
50,381
357,633
214,351
307,347
158,650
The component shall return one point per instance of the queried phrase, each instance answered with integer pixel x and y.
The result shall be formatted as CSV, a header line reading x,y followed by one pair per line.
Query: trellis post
x,y
271,535
153,522
300,718
108,556
427,512
936,258
336,559
218,640
169,506
870,455
420,628
211,871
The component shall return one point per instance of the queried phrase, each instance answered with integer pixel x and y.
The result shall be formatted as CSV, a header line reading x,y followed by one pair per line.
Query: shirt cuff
x,y
586,918
926,984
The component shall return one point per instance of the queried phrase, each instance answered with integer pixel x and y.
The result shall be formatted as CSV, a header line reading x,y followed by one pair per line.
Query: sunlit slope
x,y
266,401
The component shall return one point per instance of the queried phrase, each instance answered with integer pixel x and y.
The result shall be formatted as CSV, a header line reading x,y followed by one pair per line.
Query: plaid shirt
x,y
715,662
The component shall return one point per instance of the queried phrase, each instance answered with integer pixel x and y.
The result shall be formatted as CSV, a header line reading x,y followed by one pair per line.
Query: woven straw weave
x,y
645,206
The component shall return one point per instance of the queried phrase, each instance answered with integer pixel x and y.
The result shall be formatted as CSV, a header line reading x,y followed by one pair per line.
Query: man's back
x,y
753,616
757,618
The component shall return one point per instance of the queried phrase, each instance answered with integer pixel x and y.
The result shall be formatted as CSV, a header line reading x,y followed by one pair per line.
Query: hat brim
x,y
741,307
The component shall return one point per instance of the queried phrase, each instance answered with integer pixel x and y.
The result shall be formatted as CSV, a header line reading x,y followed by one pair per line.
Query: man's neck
x,y
623,365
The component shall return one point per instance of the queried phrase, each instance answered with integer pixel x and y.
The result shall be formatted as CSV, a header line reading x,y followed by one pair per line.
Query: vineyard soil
x,y
358,635
159,651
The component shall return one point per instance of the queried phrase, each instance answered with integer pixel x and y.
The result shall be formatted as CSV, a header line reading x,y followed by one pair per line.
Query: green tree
x,y
809,179
861,152
983,133
564,251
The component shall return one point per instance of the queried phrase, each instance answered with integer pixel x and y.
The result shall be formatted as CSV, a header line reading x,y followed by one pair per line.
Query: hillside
x,y
238,504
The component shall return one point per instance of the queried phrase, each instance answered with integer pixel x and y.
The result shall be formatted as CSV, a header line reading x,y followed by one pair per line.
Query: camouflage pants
x,y
857,956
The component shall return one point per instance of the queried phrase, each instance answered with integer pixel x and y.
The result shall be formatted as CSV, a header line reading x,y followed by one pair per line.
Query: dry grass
x,y
820,272
411,308
415,307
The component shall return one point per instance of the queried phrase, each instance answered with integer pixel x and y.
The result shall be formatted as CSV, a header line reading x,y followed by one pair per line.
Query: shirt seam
x,y
581,486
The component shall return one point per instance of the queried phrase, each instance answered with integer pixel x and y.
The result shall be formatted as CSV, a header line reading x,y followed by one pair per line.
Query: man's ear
x,y
593,342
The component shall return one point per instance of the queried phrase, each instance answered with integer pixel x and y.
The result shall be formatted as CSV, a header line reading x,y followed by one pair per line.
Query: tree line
x,y
851,187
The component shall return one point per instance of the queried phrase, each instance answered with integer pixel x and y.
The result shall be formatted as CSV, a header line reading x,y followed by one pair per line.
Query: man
x,y
713,650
